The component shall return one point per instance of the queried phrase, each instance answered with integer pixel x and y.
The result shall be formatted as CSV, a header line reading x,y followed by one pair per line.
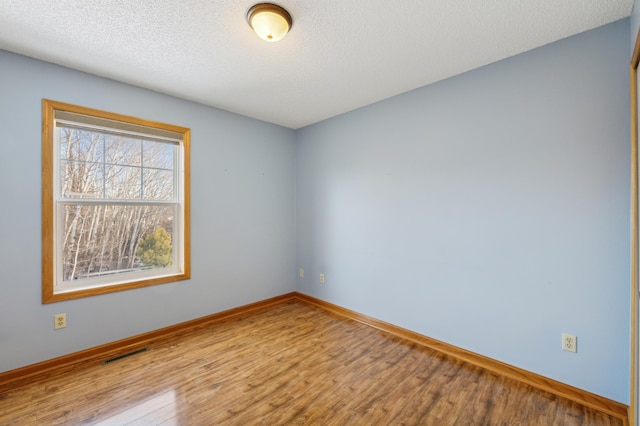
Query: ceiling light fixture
x,y
271,22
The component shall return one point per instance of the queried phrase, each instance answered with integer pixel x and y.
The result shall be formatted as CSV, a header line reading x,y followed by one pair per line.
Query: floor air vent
x,y
128,354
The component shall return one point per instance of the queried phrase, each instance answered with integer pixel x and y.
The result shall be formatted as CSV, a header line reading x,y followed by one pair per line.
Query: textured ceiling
x,y
340,54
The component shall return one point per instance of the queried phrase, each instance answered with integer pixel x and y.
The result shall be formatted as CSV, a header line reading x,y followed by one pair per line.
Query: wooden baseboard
x,y
31,373
42,370
540,382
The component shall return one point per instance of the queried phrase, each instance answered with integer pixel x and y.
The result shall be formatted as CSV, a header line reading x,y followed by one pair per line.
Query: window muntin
x,y
118,209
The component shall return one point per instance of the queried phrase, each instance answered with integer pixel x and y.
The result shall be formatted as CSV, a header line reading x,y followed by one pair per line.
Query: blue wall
x,y
242,215
489,210
635,24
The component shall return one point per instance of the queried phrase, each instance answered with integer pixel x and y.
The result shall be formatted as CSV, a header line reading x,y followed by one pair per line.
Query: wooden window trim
x,y
49,108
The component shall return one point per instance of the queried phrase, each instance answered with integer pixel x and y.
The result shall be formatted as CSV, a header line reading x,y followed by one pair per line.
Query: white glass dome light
x,y
271,22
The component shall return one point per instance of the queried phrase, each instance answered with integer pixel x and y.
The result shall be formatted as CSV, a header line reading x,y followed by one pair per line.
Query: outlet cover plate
x,y
569,342
59,321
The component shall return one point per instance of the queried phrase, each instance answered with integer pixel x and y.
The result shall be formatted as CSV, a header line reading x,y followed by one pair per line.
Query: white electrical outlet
x,y
321,278
301,273
569,342
59,321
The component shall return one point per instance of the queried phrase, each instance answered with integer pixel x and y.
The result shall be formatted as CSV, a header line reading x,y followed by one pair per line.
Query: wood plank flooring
x,y
289,364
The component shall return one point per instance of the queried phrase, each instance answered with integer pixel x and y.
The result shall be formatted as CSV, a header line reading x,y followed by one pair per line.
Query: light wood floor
x,y
291,364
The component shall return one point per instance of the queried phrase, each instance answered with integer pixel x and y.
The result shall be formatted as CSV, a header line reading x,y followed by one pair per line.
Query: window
x,y
115,202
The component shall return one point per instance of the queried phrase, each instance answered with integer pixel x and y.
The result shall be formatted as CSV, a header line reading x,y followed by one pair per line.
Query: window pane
x,y
81,145
106,239
123,182
81,179
158,155
123,151
158,184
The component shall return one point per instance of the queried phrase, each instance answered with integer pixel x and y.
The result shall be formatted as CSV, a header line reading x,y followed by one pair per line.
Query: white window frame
x,y
54,202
